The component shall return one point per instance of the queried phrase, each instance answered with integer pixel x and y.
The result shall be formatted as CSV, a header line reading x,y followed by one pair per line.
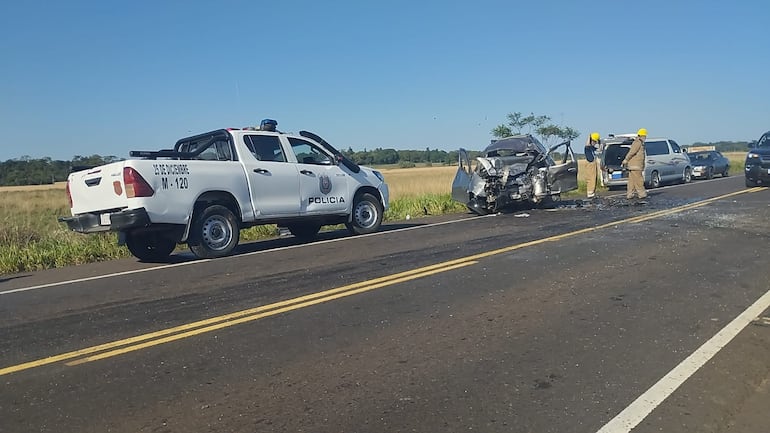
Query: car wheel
x,y
367,215
687,176
726,172
304,231
214,233
149,245
655,180
709,173
750,184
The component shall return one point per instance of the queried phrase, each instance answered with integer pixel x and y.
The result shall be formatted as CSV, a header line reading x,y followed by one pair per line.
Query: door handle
x,y
308,172
260,170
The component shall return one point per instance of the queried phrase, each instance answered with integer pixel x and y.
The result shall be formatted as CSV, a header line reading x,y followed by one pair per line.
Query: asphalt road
x,y
605,317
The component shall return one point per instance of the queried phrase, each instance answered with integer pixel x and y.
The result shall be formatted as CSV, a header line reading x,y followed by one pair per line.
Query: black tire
x,y
149,245
214,232
687,176
750,184
304,231
726,172
709,172
655,180
367,215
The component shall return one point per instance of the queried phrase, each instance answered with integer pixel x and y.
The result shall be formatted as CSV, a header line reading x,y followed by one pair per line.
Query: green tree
x,y
538,125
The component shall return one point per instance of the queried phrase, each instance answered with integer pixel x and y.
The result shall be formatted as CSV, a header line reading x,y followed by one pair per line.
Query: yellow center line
x,y
119,347
263,315
206,322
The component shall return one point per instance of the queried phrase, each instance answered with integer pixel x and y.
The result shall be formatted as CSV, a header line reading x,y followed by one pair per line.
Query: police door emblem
x,y
325,183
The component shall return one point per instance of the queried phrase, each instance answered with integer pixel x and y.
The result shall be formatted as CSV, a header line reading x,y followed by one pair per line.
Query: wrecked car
x,y
514,170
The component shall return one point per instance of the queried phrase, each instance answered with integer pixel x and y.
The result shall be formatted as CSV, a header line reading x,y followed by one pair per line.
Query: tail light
x,y
135,184
69,194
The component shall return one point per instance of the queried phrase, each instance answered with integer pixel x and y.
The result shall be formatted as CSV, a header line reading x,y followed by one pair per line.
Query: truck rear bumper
x,y
118,221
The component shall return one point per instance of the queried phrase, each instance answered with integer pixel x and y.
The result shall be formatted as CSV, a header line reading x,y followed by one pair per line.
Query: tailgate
x,y
98,189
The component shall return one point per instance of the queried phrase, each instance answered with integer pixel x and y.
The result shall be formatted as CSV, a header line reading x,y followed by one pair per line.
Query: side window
x,y
675,147
309,153
656,148
217,151
265,147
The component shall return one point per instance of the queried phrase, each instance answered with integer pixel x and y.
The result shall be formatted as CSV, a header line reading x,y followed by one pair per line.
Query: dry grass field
x,y
417,181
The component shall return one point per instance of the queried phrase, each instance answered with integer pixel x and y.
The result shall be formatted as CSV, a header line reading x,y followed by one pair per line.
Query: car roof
x,y
516,143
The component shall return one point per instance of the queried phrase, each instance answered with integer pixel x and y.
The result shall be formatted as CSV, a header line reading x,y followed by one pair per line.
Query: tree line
x,y
727,146
29,171
42,171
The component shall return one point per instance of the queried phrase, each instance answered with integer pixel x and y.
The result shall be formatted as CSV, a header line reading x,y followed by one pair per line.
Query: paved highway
x,y
605,317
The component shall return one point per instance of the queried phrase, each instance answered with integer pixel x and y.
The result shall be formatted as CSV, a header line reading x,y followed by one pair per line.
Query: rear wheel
x,y
687,176
367,214
149,245
214,233
304,231
655,179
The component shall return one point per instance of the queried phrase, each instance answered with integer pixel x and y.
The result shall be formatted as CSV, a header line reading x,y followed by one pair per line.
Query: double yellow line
x,y
139,342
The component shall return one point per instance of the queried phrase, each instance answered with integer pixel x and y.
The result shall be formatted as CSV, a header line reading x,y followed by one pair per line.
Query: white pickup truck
x,y
211,185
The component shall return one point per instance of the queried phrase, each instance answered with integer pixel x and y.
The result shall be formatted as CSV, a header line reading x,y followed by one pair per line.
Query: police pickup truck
x,y
211,185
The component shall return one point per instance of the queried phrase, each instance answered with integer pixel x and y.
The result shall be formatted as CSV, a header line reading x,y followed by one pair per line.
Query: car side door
x,y
679,160
657,153
273,179
721,162
323,184
461,185
562,175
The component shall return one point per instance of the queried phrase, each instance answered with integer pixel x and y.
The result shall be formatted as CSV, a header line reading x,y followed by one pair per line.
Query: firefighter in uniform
x,y
634,162
592,164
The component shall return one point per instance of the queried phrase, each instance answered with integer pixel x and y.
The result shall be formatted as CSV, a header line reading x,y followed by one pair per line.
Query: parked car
x,y
516,169
665,161
707,163
758,162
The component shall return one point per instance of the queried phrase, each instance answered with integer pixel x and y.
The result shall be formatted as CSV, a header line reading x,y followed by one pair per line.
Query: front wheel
x,y
726,172
750,184
709,173
214,233
149,245
367,215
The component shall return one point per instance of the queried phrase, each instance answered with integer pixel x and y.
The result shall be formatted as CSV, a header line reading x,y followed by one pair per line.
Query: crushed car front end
x,y
517,169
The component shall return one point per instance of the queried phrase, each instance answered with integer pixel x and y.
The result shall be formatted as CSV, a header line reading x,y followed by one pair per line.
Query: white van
x,y
665,161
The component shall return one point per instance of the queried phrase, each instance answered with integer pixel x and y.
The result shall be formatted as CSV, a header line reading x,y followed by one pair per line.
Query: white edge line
x,y
175,265
638,410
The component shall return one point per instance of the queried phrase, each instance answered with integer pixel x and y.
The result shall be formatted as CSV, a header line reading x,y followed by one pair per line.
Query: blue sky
x,y
107,77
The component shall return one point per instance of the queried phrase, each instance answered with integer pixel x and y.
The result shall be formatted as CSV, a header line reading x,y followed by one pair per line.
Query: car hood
x,y
761,151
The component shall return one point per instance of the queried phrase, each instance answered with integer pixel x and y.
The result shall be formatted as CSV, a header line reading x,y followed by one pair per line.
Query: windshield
x,y
764,141
699,156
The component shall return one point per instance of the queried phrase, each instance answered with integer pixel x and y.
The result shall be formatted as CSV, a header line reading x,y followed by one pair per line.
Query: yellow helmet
x,y
642,131
595,136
